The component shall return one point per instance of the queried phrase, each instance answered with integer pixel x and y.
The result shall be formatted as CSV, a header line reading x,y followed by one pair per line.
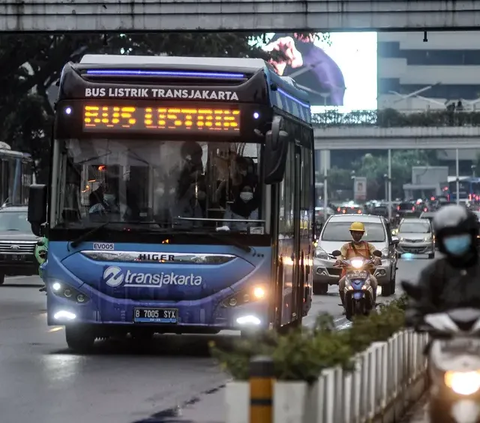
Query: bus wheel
x,y
79,338
2,278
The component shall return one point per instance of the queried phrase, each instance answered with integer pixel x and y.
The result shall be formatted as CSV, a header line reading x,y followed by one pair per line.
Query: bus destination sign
x,y
160,119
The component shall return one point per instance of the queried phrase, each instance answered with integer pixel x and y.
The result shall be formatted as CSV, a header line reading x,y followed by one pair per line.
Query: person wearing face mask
x,y
357,248
245,206
454,280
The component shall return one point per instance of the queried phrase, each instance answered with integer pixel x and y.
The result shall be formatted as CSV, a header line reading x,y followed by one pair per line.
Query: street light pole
x,y
389,196
325,154
457,165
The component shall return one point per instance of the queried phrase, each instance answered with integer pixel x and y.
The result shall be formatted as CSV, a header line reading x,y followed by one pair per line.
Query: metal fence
x,y
386,379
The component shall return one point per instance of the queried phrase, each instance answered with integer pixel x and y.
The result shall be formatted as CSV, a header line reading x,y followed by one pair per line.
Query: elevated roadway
x,y
236,15
375,138
393,129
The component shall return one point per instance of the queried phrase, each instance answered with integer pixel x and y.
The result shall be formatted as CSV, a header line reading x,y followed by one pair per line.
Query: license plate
x,y
13,257
156,315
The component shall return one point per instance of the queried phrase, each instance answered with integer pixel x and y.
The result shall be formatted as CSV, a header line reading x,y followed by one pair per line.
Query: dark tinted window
x,y
406,206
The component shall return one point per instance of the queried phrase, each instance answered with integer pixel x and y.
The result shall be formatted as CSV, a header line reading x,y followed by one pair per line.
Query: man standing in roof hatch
x,y
309,66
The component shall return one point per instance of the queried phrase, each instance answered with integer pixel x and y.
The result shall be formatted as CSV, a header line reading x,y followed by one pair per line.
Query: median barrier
x,y
327,376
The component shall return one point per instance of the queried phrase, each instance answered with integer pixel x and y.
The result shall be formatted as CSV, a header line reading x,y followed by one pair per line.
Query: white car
x,y
336,232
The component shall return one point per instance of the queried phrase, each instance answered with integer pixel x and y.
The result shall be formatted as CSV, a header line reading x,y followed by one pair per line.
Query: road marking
x,y
55,329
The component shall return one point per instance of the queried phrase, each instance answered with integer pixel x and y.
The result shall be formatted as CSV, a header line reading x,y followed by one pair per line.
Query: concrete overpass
x,y
405,138
236,15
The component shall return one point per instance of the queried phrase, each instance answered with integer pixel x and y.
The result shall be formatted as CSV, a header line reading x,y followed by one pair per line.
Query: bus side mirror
x,y
37,207
276,149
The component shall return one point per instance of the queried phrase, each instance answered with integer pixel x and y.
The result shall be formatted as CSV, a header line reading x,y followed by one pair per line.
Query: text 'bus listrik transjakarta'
x,y
180,200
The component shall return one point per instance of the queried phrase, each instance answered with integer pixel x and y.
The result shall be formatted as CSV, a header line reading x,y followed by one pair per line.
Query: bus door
x,y
288,241
297,274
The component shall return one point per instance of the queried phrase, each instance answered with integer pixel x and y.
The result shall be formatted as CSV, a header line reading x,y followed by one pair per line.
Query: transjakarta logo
x,y
114,276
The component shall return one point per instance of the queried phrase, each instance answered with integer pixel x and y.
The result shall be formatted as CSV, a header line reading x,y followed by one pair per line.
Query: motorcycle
x,y
453,362
359,295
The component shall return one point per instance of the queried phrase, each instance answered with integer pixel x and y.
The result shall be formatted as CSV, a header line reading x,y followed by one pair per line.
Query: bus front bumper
x,y
202,316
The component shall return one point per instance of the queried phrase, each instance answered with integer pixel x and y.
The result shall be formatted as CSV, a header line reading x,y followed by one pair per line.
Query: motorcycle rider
x,y
357,248
453,280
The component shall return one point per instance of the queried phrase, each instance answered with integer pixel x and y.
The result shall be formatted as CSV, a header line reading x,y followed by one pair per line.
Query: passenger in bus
x,y
241,173
244,207
190,193
96,200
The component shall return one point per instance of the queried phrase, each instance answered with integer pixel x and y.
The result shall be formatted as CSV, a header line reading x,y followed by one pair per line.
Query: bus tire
x,y
2,278
79,338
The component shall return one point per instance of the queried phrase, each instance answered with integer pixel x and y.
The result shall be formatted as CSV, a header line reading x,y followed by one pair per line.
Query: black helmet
x,y
454,220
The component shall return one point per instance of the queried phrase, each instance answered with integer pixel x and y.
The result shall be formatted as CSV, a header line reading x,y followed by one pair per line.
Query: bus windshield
x,y
158,184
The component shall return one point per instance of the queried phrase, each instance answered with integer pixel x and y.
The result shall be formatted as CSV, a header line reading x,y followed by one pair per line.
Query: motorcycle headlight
x,y
463,383
357,264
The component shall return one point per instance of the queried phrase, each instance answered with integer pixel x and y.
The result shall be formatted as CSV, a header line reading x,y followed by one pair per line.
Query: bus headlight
x,y
64,291
463,383
259,292
248,295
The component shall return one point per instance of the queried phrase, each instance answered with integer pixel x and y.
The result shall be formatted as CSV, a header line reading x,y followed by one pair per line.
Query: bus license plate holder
x,y
166,316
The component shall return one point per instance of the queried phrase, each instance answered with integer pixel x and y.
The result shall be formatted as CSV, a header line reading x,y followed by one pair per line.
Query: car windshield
x,y
159,185
340,231
415,227
14,221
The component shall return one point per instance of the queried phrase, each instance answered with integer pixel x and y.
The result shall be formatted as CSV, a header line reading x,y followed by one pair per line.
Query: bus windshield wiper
x,y
86,236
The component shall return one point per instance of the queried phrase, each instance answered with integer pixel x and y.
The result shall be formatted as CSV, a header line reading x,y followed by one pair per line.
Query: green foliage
x,y
303,353
387,118
375,167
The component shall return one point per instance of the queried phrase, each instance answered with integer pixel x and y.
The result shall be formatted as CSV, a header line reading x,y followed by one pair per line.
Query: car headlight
x,y
321,254
385,253
427,238
463,383
402,239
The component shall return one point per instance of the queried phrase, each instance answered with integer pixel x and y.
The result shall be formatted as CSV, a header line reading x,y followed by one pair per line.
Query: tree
x,y
374,168
31,63
339,180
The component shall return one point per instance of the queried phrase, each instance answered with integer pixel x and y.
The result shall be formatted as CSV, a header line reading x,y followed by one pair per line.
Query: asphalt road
x,y
43,382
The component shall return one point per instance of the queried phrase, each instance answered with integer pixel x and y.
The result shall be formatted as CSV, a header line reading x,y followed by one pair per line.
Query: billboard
x,y
360,188
337,70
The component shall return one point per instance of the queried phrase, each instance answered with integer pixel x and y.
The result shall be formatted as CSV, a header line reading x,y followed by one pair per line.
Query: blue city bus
x,y
15,176
181,199
469,189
